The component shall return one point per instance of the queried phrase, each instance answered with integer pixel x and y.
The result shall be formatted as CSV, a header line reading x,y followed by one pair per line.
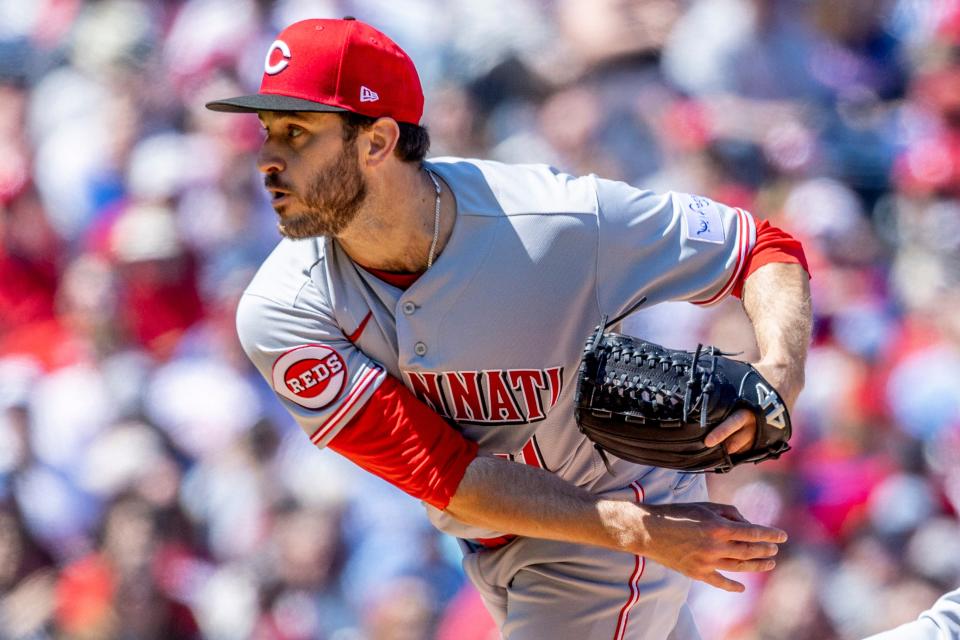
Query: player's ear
x,y
379,141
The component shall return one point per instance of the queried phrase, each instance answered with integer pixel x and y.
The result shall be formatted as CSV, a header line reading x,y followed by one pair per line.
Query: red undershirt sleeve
x,y
772,245
400,439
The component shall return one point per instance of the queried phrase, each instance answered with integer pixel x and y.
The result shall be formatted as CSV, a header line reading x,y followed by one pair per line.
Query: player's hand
x,y
702,538
738,432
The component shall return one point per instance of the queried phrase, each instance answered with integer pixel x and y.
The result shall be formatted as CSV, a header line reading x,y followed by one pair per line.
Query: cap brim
x,y
268,102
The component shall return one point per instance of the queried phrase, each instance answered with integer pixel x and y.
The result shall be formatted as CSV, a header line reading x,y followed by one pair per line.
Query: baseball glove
x,y
655,406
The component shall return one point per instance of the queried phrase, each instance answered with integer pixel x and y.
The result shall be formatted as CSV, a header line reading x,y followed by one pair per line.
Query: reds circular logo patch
x,y
312,376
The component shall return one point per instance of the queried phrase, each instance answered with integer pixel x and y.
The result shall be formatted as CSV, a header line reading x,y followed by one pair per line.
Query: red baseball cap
x,y
335,65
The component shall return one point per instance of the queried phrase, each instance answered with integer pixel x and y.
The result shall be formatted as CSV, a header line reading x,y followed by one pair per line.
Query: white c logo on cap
x,y
282,63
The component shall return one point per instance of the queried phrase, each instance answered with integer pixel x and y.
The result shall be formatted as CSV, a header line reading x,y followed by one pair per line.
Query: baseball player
x,y
425,319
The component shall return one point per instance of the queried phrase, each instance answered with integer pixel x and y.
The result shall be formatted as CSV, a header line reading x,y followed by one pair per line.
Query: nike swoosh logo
x,y
356,334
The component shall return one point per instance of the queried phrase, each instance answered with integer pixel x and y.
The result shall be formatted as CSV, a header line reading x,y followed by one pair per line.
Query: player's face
x,y
312,174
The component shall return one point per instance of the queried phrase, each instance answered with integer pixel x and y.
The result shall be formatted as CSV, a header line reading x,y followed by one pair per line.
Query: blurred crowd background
x,y
150,486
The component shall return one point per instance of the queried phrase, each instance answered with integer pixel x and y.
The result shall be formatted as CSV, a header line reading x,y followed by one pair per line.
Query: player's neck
x,y
395,228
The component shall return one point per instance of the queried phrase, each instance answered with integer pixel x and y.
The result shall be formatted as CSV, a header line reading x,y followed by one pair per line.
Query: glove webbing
x,y
654,393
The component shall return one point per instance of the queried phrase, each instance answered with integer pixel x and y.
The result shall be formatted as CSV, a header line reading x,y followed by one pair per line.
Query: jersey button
x,y
408,308
420,349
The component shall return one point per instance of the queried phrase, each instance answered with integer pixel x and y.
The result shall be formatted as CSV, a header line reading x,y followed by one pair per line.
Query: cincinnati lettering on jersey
x,y
500,396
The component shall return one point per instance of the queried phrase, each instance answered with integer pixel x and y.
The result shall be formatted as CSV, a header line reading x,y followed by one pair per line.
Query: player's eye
x,y
294,131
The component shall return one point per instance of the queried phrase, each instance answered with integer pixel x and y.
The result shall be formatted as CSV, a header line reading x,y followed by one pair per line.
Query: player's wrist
x,y
785,373
624,524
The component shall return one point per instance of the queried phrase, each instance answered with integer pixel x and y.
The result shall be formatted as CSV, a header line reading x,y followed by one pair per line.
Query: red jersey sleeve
x,y
772,245
400,439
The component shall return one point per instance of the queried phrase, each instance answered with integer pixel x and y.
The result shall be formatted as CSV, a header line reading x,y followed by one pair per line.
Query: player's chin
x,y
300,226
291,214
290,229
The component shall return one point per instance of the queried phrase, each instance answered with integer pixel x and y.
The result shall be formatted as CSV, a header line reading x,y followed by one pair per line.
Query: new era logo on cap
x,y
322,65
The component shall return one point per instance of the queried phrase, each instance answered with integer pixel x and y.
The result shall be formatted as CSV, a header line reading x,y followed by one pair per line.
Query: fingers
x,y
701,539
722,582
742,440
746,566
751,550
736,432
738,420
754,533
741,529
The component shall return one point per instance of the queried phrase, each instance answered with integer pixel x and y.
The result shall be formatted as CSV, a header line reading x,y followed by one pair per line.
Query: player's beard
x,y
332,199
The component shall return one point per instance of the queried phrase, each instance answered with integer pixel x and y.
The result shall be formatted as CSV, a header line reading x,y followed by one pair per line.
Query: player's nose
x,y
268,161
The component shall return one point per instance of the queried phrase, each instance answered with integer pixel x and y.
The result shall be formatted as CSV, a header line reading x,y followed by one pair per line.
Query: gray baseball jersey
x,y
491,335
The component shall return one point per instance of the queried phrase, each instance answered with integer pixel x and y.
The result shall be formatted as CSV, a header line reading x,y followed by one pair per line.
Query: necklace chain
x,y
436,220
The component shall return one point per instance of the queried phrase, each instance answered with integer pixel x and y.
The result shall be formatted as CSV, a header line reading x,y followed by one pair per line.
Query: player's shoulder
x,y
487,187
284,275
283,293
284,302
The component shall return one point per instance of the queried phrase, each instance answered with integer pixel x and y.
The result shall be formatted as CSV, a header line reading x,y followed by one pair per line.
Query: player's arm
x,y
696,539
775,292
776,298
